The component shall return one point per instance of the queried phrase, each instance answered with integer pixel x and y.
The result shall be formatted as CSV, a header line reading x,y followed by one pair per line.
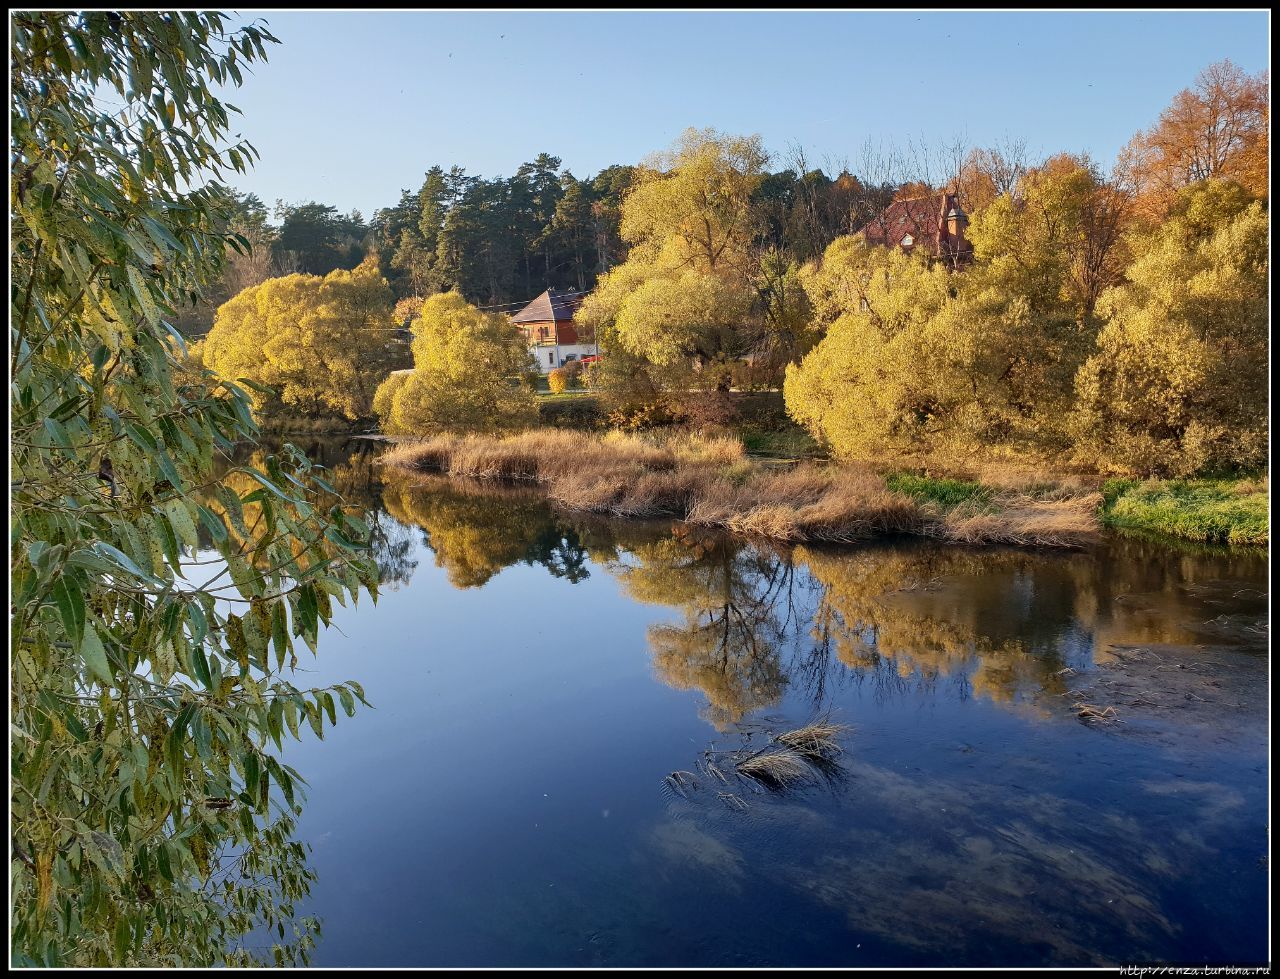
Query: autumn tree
x,y
685,299
1055,238
322,344
988,173
1217,129
871,383
917,358
1179,380
467,366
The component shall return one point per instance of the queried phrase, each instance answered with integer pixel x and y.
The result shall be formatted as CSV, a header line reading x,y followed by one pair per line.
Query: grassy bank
x,y
1210,511
710,482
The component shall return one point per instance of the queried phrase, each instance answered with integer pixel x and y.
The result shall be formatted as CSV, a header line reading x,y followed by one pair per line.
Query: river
x,y
1051,758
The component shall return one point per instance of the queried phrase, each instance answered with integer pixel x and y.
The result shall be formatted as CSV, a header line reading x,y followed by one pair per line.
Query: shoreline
x,y
714,482
710,482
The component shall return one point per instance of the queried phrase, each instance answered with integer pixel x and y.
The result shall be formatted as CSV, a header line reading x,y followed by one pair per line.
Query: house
x,y
548,328
934,225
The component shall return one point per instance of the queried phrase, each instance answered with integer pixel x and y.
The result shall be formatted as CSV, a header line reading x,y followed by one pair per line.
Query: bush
x,y
446,389
558,380
1178,385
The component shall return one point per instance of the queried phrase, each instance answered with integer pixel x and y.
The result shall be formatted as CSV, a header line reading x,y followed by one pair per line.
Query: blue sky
x,y
353,107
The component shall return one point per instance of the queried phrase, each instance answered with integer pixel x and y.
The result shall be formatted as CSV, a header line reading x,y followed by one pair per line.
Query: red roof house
x,y
934,225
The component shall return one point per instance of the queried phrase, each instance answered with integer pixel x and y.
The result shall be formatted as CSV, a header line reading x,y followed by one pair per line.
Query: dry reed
x,y
776,769
816,741
708,482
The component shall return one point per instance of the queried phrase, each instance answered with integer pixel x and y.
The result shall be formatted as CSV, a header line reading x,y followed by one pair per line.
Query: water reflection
x,y
750,619
506,807
733,622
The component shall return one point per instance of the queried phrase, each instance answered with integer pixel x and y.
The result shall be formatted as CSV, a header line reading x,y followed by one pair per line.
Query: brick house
x,y
548,327
934,225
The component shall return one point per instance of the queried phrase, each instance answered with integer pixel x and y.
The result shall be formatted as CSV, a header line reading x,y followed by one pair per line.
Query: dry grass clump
x,y
815,741
808,503
795,756
776,769
1068,522
716,450
429,455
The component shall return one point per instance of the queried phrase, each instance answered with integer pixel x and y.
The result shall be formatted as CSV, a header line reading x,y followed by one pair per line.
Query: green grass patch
x,y
945,492
792,442
1212,511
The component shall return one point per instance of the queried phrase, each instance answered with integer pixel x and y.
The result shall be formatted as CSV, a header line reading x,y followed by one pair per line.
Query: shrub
x,y
558,380
466,366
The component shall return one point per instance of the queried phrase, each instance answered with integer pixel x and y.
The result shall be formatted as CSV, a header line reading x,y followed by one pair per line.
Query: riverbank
x,y
710,482
1208,511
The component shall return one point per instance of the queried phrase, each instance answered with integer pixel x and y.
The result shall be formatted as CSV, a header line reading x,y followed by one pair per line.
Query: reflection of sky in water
x,y
502,804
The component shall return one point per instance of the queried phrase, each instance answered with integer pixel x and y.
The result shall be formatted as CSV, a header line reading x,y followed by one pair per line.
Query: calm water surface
x,y
536,676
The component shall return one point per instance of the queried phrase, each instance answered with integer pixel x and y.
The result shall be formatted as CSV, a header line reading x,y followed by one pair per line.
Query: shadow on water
x,y
976,815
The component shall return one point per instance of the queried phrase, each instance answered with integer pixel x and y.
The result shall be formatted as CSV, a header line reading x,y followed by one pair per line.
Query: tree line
x,y
1114,317
501,241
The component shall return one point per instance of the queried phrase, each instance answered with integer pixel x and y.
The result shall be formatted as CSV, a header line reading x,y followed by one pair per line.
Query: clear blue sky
x,y
353,107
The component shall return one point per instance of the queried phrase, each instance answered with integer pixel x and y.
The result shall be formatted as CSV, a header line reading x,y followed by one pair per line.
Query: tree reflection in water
x,y
738,611
754,621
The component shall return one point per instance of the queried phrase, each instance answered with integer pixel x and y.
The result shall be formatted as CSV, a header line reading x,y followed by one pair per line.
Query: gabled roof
x,y
552,305
917,217
925,220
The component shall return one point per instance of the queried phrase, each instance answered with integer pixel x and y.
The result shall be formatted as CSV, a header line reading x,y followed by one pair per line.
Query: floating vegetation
x,y
1090,712
788,760
681,783
817,740
731,801
777,769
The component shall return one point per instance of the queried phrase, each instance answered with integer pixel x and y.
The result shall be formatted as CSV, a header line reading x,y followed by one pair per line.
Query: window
x,y
907,241
551,358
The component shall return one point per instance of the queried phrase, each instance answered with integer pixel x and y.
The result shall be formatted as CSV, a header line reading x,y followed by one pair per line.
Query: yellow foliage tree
x,y
323,344
1054,239
1179,380
864,387
466,374
685,295
917,358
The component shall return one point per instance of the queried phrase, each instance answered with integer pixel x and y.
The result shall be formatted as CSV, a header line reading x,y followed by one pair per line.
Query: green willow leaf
x,y
70,606
95,655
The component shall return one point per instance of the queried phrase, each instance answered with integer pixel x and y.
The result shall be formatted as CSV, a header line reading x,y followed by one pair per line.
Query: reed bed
x,y
709,482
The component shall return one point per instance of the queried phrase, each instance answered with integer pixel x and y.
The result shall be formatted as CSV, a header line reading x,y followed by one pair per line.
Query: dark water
x,y
537,675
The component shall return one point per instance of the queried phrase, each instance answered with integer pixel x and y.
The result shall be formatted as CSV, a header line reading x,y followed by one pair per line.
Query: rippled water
x,y
536,676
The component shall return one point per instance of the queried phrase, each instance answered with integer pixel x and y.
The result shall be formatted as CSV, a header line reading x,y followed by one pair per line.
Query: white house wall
x,y
550,358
